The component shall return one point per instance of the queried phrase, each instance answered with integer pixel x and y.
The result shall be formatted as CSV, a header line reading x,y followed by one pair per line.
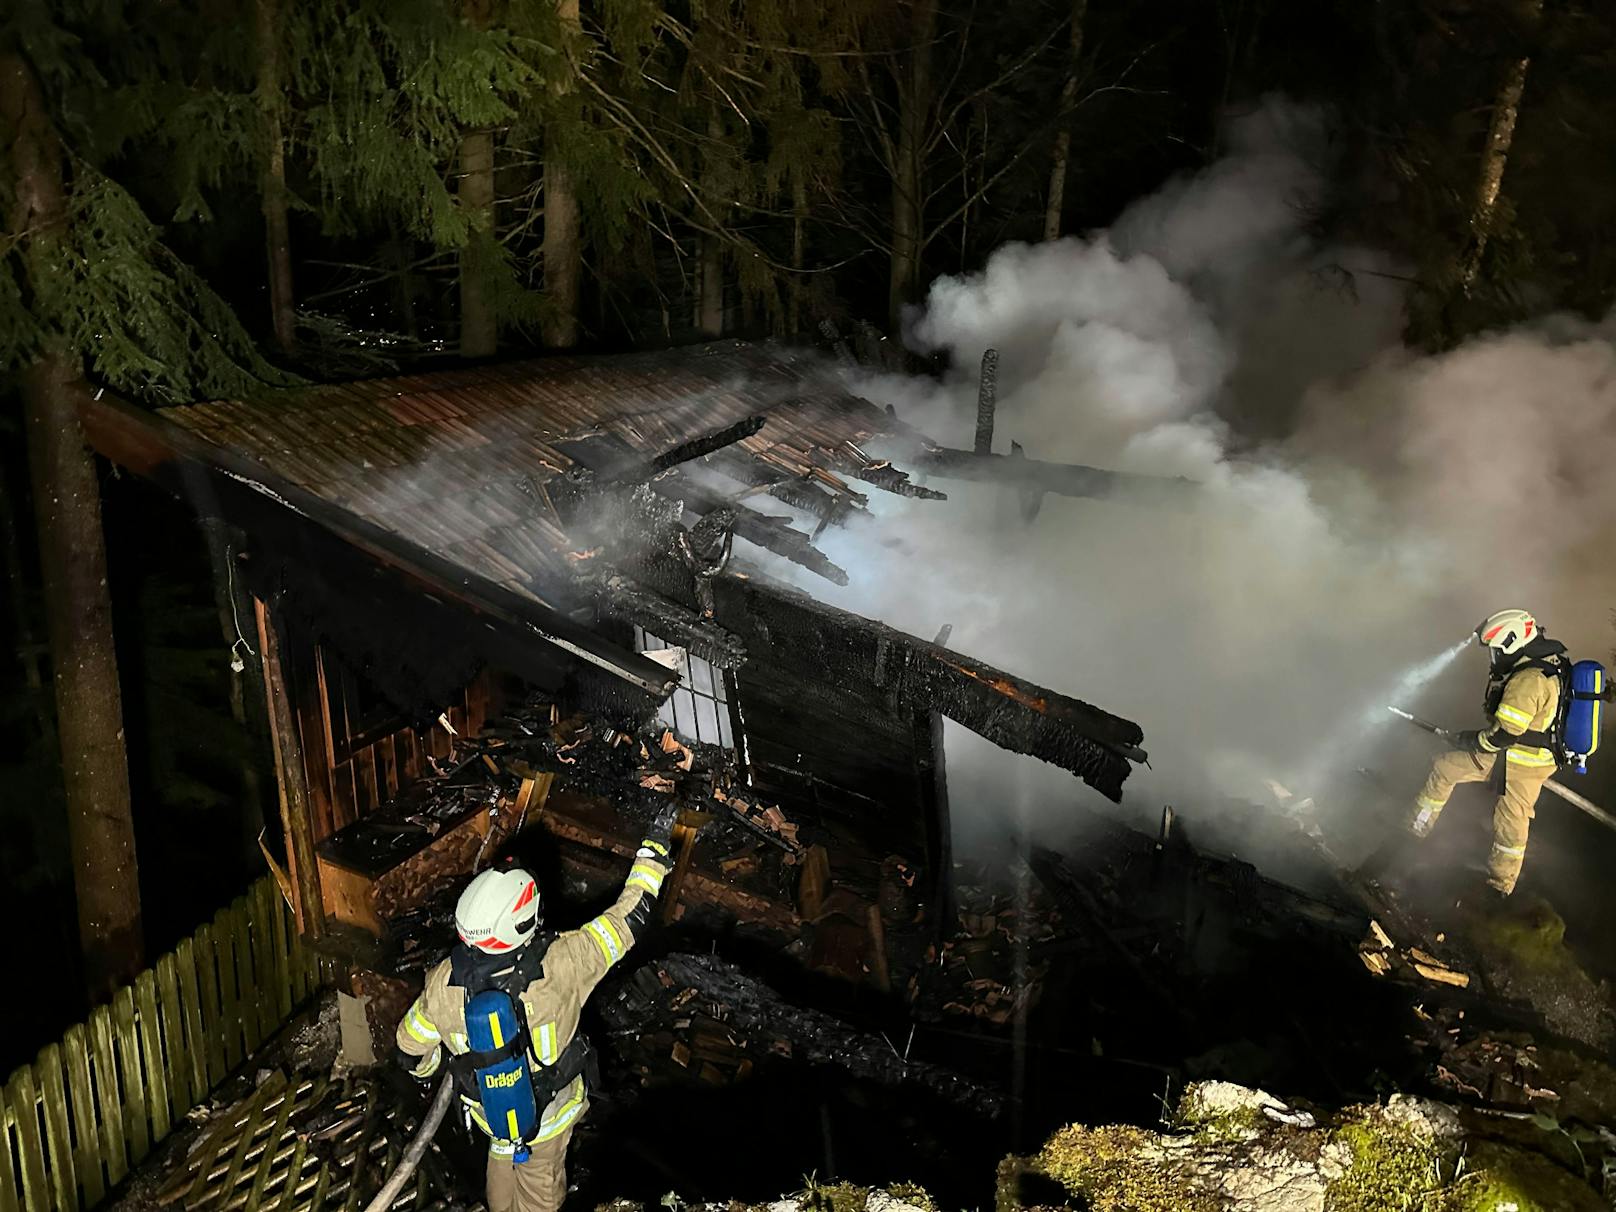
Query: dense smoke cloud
x,y
1363,506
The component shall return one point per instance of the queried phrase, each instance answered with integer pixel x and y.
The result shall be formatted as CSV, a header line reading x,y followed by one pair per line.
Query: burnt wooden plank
x,y
297,817
339,776
312,710
387,766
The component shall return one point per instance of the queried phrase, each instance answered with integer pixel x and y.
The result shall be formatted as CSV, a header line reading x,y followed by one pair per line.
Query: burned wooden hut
x,y
509,595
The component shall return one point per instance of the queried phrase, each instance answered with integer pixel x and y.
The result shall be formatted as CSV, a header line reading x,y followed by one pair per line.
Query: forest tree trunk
x,y
1060,157
73,574
277,230
479,333
908,175
1494,159
710,286
799,253
563,250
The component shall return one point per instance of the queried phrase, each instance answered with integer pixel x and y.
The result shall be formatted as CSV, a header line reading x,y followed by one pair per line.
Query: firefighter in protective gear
x,y
550,976
1516,754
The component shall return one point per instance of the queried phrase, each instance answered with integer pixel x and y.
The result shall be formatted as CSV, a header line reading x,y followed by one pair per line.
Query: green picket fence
x,y
93,1106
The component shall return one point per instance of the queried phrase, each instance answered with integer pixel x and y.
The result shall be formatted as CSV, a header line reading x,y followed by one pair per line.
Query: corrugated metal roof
x,y
439,458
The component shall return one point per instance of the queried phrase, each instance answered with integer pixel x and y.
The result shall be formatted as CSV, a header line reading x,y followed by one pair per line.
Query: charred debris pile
x,y
810,996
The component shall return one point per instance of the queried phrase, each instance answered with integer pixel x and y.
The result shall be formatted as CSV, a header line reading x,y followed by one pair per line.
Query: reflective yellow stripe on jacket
x,y
1513,715
606,938
1530,756
419,1027
568,1107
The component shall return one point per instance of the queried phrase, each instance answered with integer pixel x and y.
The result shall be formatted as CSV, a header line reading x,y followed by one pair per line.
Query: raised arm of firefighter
x,y
589,952
577,959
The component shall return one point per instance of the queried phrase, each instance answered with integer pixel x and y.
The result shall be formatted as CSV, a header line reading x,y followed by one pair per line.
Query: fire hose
x,y
1560,789
417,1146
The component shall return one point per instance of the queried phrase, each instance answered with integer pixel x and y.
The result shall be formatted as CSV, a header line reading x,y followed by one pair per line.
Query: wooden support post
x,y
935,823
879,969
684,837
987,399
290,777
813,883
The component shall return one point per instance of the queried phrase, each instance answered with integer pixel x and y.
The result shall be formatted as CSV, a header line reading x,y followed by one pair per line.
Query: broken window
x,y
699,710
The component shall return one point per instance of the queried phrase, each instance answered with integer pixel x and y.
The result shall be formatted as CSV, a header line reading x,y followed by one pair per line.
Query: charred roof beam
x,y
1063,479
848,459
698,447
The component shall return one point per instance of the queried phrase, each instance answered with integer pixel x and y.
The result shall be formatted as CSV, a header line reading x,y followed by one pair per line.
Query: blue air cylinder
x,y
505,1087
1583,716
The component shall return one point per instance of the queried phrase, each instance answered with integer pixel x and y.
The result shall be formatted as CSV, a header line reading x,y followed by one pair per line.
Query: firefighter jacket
x,y
573,965
1525,712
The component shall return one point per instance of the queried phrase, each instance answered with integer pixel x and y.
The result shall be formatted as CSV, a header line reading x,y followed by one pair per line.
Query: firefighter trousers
x,y
537,1185
1512,815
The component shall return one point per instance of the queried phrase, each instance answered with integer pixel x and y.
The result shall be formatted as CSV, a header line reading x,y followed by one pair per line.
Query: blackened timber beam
x,y
1064,479
798,491
676,484
218,479
296,811
879,472
773,533
639,470
933,787
782,626
622,597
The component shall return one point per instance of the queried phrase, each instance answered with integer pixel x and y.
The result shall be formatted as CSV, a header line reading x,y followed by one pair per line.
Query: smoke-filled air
x,y
1363,506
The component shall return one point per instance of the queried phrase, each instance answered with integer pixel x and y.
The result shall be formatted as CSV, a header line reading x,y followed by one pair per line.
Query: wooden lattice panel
x,y
306,1146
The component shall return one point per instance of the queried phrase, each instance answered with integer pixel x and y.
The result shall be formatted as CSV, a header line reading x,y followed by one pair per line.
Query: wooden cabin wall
x,y
838,745
358,753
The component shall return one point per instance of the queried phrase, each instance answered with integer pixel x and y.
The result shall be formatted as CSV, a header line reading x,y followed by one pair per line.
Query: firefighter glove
x,y
412,1065
1469,739
659,833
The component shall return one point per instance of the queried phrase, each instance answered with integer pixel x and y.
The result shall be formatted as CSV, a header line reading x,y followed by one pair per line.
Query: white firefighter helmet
x,y
498,910
1507,632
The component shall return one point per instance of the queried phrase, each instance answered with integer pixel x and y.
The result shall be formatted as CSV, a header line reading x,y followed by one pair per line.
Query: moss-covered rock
x,y
1235,1150
1122,1169
1386,1165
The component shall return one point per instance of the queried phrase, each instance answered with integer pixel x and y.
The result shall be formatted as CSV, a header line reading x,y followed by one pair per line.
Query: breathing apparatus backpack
x,y
1573,735
1582,690
499,1073
496,1029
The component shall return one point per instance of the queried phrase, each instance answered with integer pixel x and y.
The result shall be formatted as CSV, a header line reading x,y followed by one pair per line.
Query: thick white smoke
x,y
1363,506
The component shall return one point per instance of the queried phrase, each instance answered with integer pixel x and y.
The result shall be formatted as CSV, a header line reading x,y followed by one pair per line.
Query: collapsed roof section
x,y
545,495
